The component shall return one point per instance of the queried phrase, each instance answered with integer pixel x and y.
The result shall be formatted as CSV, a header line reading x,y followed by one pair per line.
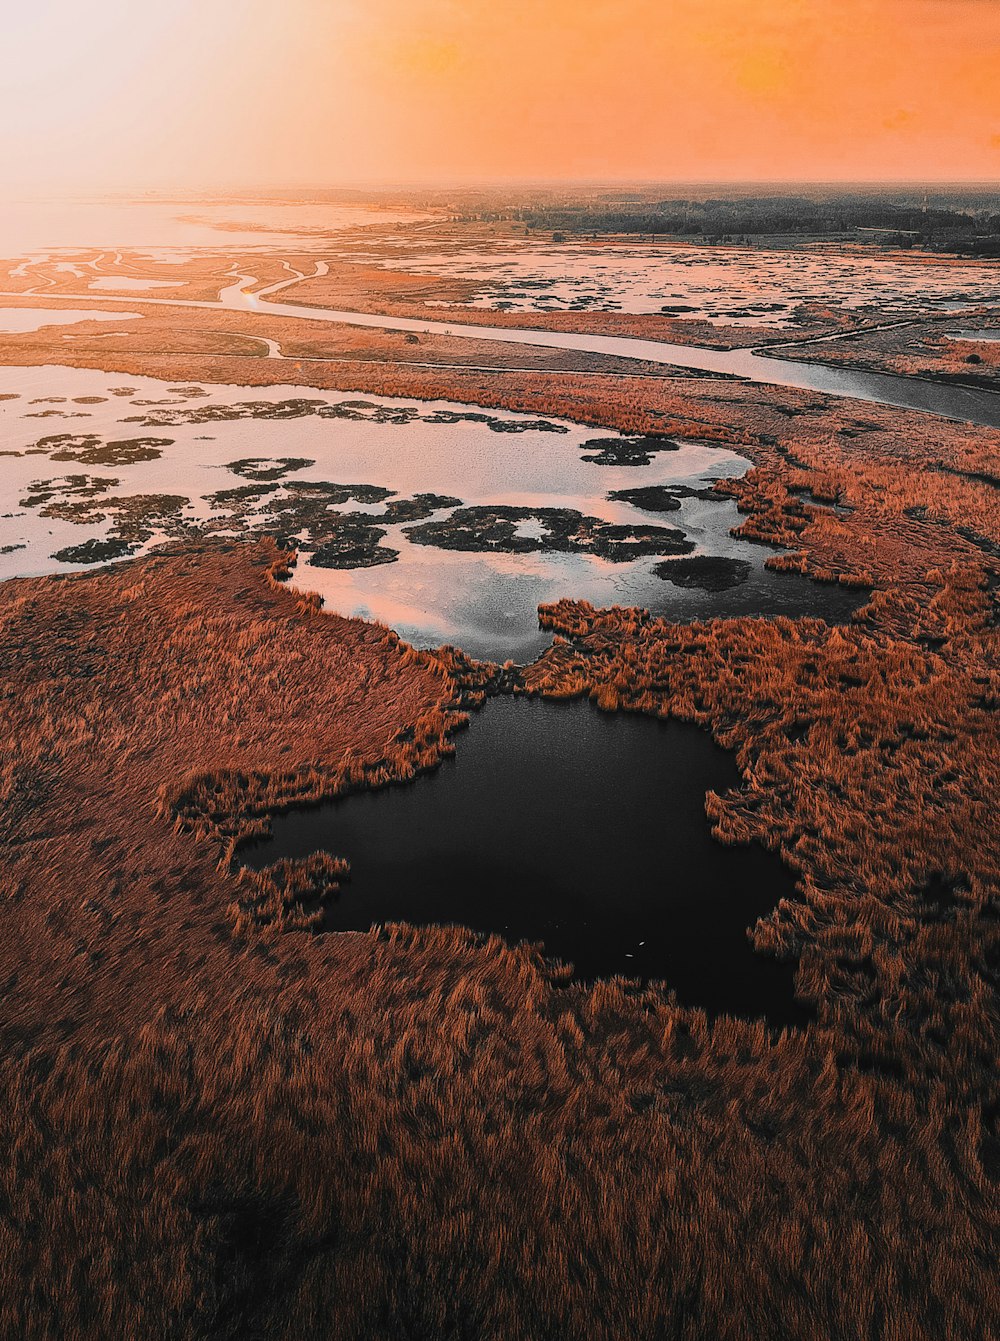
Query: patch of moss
x,y
709,572
557,530
95,551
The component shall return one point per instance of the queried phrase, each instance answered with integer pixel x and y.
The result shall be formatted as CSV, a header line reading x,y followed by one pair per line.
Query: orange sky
x,y
223,92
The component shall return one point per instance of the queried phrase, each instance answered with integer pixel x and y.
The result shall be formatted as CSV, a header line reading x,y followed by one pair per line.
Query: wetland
x,y
448,524
278,1043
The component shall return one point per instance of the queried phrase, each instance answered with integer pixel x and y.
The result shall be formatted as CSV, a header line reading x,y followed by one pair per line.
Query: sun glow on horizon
x,y
225,92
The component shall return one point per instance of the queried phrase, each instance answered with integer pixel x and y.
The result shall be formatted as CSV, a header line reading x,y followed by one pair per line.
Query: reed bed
x,y
219,1123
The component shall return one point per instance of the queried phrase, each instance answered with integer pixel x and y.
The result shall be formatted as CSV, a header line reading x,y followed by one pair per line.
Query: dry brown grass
x,y
230,668
198,277
364,285
167,342
357,286
220,1124
869,762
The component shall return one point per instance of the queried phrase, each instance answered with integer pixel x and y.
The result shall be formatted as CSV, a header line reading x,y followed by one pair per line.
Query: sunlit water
x,y
765,367
36,226
17,320
585,831
913,393
485,602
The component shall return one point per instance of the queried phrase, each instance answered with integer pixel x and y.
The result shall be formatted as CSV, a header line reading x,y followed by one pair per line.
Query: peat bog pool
x,y
585,830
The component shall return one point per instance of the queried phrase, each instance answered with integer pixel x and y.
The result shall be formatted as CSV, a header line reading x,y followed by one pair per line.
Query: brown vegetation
x,y
917,350
218,345
361,285
198,277
231,671
216,1129
354,286
221,1124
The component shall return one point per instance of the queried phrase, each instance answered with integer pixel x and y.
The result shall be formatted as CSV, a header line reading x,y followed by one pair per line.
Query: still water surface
x,y
584,830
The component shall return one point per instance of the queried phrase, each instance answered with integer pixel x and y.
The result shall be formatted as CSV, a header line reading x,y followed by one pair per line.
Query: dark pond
x,y
581,829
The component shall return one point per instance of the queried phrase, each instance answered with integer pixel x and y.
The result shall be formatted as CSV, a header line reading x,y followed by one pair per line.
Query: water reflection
x,y
21,319
725,285
58,491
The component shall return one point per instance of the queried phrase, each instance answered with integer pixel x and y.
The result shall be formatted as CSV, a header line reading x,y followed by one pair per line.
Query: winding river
x,y
966,404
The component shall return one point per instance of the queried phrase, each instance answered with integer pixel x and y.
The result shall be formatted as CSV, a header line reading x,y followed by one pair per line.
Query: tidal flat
x,y
723,285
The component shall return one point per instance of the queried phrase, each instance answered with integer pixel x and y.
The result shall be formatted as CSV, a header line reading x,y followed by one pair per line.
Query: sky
x,y
213,94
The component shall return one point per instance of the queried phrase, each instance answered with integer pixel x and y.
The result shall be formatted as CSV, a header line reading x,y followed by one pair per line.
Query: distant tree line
x,y
975,230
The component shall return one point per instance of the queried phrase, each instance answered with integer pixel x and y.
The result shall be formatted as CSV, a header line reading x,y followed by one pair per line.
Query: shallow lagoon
x,y
22,319
82,446
65,223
